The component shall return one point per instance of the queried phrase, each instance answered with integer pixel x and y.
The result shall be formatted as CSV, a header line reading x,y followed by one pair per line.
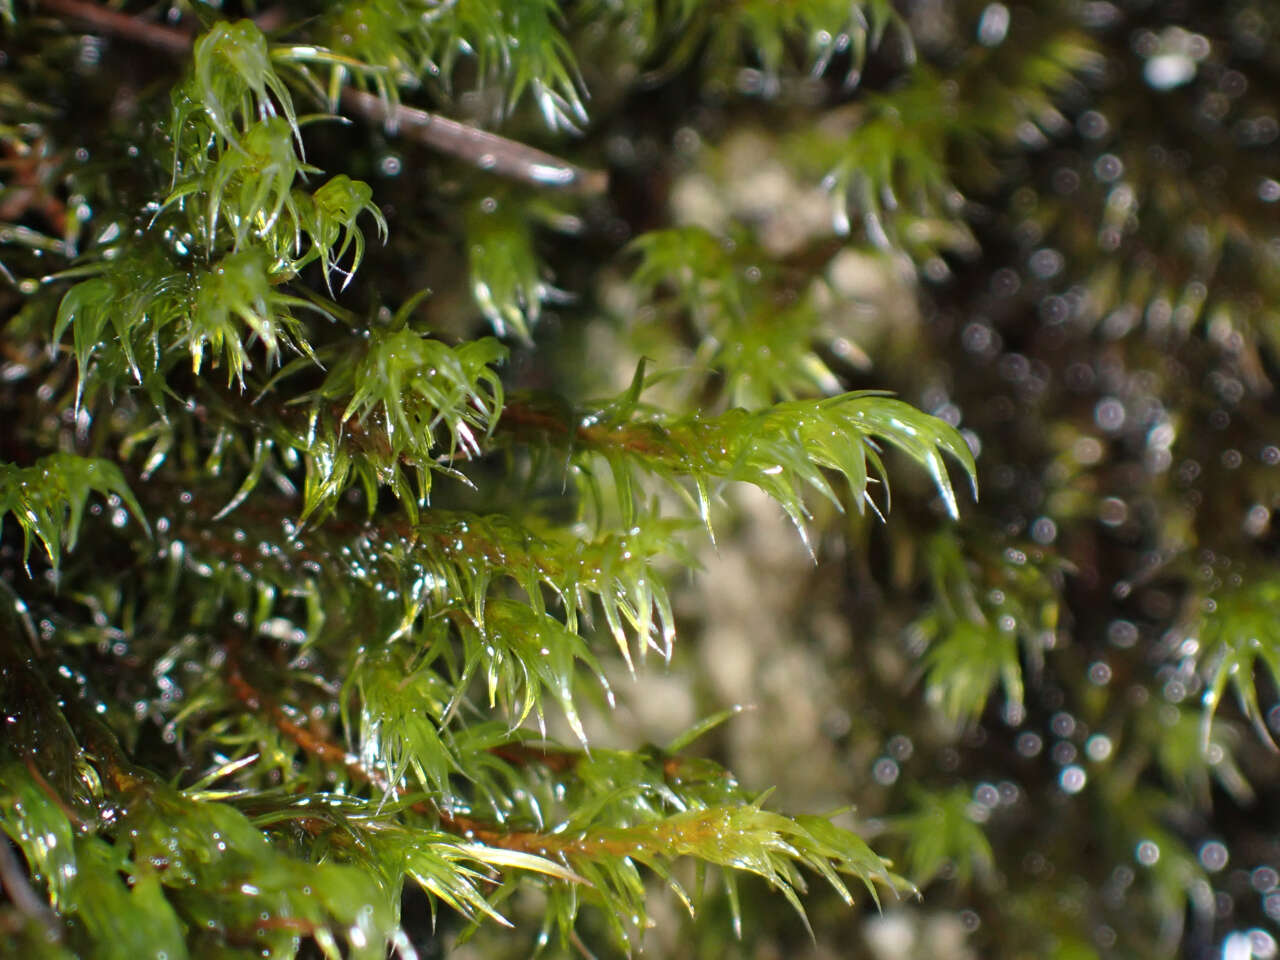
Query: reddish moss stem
x,y
470,828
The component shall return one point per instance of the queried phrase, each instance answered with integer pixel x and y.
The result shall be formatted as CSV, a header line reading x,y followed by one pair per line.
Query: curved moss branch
x,y
479,148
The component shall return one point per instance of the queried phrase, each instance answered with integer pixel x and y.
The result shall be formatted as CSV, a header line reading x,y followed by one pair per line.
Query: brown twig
x,y
580,946
637,438
480,148
470,828
172,41
554,759
330,753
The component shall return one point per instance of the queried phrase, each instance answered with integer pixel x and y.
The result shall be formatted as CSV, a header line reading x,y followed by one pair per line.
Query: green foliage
x,y
737,838
893,170
517,45
393,36
48,498
776,38
116,893
236,160
896,162
329,218
829,28
945,830
366,622
762,351
232,84
625,811
1237,632
401,706
780,450
159,313
1193,764
414,386
974,630
459,558
506,277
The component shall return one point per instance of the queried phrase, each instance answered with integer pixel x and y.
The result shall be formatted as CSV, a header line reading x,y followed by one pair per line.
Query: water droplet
x,y
1072,779
1261,944
885,771
993,25
551,174
1213,856
900,747
1108,168
1044,531
1098,747
1063,724
1109,414
1169,70
1029,744
1264,879
1046,263
1113,511
1093,125
1064,752
1147,853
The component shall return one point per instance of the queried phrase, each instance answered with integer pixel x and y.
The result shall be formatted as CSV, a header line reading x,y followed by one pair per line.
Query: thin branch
x,y
524,841
174,42
479,148
555,759
580,946
330,753
637,438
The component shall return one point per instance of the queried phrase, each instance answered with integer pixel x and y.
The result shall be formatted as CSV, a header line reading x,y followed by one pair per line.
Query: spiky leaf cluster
x,y
376,458
345,683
